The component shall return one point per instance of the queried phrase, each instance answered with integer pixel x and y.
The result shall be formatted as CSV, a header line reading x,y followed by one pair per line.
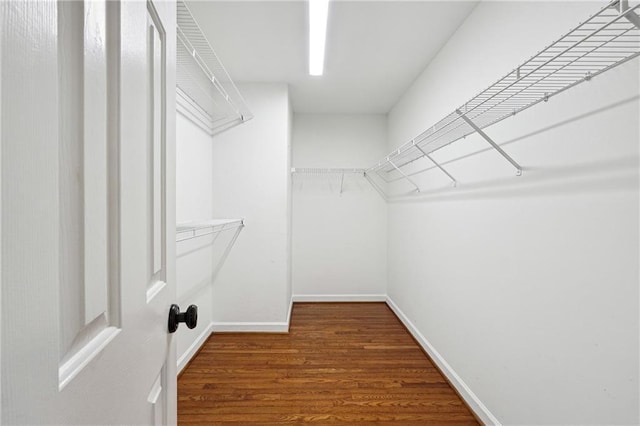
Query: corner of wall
x,y
477,407
195,346
289,203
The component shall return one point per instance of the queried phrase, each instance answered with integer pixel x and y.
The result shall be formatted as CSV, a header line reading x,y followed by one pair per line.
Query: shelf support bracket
x,y
491,142
453,180
375,186
381,176
623,6
224,256
341,183
404,175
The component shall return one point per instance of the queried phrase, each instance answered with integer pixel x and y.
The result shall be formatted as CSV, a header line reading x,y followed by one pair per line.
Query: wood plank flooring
x,y
341,363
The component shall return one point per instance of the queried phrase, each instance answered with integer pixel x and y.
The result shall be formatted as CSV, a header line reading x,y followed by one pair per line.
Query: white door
x,y
87,175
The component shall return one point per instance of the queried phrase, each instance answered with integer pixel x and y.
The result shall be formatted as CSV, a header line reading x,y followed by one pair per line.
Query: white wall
x,y
526,286
195,259
339,240
195,172
251,179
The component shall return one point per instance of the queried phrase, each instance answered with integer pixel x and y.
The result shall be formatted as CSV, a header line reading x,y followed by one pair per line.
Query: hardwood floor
x,y
341,363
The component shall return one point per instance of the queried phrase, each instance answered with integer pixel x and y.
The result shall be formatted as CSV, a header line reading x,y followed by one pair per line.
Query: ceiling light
x,y
318,11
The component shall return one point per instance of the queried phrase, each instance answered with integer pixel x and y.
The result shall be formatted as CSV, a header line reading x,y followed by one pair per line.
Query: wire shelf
x,y
331,171
607,39
189,230
201,77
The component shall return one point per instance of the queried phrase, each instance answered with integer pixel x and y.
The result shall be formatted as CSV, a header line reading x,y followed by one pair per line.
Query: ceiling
x,y
374,49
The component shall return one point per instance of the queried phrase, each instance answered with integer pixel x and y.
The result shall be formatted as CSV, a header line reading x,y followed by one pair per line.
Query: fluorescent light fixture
x,y
318,11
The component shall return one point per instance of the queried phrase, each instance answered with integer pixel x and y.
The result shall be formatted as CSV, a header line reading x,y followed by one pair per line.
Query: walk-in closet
x,y
320,211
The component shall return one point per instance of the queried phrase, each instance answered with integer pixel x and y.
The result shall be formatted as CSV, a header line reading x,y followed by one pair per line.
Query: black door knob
x,y
189,317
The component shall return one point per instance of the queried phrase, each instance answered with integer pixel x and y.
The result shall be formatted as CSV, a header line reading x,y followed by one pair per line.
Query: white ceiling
x,y
375,49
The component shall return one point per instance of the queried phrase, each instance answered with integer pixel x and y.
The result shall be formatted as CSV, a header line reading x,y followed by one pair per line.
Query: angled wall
x,y
527,286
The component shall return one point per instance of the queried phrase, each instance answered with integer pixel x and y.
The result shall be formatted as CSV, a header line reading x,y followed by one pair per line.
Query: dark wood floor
x,y
350,363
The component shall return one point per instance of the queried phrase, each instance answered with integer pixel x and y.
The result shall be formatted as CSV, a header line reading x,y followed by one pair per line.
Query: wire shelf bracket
x,y
227,250
454,182
623,5
491,142
404,175
608,38
377,187
214,227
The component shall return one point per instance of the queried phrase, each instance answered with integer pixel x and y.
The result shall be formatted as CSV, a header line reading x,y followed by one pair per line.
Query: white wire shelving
x,y
318,171
190,230
202,81
605,40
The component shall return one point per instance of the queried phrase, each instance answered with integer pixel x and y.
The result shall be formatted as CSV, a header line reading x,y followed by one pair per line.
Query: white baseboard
x,y
339,298
255,327
251,327
465,392
184,359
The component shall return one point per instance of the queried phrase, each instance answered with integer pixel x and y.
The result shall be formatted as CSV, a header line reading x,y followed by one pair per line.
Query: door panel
x,y
156,120
86,313
158,400
87,157
96,164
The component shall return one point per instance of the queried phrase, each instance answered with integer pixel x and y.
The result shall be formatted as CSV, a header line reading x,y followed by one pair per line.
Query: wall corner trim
x,y
289,313
479,409
184,359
